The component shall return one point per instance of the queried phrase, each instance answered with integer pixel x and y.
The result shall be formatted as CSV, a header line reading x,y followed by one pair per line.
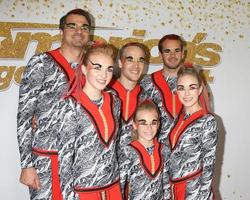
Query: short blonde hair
x,y
144,105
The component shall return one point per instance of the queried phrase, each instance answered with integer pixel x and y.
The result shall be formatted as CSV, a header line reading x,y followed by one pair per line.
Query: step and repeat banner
x,y
218,39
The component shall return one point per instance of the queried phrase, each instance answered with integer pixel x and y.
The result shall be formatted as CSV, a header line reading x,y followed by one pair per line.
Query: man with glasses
x,y
46,79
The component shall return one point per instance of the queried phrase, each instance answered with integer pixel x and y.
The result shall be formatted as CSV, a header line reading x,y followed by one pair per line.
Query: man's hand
x,y
30,178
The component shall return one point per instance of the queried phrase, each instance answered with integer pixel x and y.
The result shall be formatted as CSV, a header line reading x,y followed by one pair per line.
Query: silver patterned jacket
x,y
193,141
87,142
45,81
145,175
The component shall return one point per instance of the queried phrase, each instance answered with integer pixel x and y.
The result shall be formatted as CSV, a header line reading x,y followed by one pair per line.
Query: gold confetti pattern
x,y
207,27
228,19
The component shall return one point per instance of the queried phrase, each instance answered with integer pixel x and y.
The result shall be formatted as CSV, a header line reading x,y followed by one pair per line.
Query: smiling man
x,y
132,61
46,79
161,85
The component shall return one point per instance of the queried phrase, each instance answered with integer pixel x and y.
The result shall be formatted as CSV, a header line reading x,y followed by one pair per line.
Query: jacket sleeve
x,y
166,124
67,134
147,85
28,95
124,167
166,180
209,142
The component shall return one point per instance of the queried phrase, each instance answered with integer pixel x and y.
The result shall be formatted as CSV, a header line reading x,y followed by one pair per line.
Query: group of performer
x,y
84,134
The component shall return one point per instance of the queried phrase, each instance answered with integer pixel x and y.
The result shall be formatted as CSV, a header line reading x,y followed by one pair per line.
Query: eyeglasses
x,y
130,60
98,67
74,26
143,123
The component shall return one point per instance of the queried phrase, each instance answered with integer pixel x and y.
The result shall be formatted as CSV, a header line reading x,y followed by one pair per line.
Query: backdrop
x,y
217,34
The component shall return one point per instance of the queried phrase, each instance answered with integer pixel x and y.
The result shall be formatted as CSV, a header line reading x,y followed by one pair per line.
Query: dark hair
x,y
170,37
190,71
133,44
77,11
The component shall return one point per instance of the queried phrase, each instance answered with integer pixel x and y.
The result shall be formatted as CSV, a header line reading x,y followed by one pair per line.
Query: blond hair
x,y
144,105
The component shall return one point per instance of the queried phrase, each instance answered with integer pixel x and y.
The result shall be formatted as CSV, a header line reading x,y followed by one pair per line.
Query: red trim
x,y
179,185
145,157
122,93
55,185
56,190
177,131
93,112
64,65
111,192
188,177
43,152
166,93
95,188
